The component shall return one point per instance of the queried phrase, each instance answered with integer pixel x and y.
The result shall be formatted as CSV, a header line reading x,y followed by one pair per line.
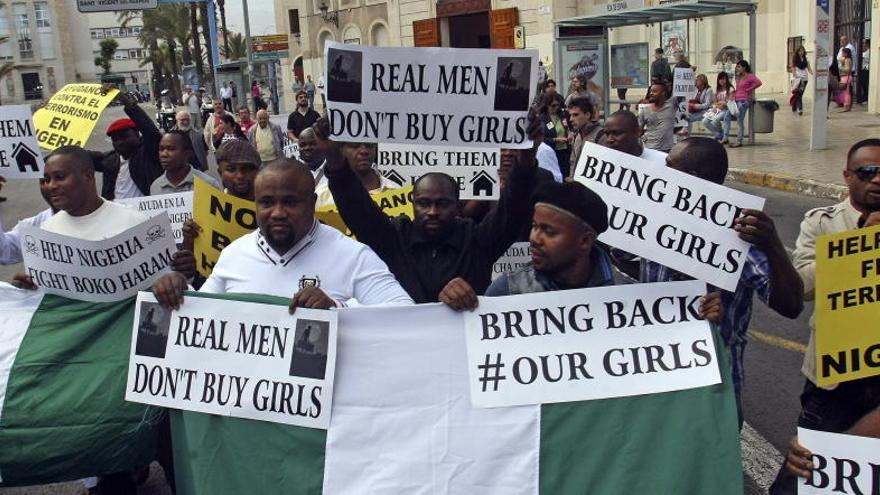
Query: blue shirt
x,y
526,279
736,306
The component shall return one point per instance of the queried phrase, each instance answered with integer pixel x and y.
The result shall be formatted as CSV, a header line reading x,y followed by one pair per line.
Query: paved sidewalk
x,y
783,159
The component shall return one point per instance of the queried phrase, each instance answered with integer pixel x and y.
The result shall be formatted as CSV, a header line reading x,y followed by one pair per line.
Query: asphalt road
x,y
773,357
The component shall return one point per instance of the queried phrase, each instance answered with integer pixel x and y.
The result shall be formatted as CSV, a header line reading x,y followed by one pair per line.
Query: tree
x,y
221,5
236,47
196,41
104,60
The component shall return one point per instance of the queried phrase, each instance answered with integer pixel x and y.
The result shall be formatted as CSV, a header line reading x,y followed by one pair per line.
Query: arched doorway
x,y
379,35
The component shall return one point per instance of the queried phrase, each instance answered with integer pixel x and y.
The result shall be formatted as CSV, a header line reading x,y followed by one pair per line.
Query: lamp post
x,y
331,17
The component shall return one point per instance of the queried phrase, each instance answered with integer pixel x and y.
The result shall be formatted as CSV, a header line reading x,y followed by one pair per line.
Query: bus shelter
x,y
582,43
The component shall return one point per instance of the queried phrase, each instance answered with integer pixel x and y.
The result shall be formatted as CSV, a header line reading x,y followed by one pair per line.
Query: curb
x,y
806,187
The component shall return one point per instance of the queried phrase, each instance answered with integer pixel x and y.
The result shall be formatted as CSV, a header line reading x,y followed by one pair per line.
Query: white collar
x,y
291,253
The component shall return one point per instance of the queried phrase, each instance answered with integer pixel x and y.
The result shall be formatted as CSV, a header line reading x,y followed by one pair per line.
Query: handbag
x,y
733,108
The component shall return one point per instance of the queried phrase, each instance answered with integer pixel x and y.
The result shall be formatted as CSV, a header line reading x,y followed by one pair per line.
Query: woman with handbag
x,y
800,71
846,68
701,103
716,118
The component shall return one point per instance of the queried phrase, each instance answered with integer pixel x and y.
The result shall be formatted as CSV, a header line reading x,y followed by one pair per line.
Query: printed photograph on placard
x,y
512,84
152,336
345,75
309,359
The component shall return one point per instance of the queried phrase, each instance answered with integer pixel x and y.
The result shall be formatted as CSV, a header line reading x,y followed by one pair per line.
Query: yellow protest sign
x,y
393,202
70,115
847,306
223,218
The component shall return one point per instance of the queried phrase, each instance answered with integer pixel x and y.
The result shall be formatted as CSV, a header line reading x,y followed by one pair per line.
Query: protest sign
x,y
684,84
841,463
20,156
178,206
437,96
517,255
589,344
291,149
99,271
847,292
475,169
234,358
393,203
71,114
668,216
222,218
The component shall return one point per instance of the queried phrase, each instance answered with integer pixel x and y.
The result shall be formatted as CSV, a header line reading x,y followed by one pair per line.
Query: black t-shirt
x,y
298,122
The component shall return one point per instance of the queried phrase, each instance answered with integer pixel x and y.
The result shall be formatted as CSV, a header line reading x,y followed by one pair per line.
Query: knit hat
x,y
120,125
238,151
576,200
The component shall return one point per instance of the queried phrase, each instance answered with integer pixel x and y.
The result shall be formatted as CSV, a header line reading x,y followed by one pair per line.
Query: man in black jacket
x,y
437,245
133,165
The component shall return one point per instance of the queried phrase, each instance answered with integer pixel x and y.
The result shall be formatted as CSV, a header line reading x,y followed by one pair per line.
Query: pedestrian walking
x,y
556,131
864,72
226,95
800,71
310,91
716,119
660,71
846,79
657,119
743,96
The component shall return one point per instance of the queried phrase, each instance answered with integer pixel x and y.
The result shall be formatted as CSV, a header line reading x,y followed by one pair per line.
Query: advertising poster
x,y
629,66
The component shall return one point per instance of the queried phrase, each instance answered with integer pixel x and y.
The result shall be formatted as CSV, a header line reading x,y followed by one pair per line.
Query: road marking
x,y
760,458
774,340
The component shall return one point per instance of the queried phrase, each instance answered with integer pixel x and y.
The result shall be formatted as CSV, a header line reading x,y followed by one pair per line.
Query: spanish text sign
x,y
71,114
847,293
842,463
474,169
178,206
99,271
222,219
234,358
668,216
393,203
589,344
20,156
516,256
437,96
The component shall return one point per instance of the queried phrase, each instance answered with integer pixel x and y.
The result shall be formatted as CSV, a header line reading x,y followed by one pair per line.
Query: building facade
x,y
31,39
782,25
129,54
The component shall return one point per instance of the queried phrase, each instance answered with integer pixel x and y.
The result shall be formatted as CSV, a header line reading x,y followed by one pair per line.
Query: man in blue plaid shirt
x,y
768,271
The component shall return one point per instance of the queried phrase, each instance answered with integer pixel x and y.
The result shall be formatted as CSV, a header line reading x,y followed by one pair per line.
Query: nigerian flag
x,y
63,366
402,422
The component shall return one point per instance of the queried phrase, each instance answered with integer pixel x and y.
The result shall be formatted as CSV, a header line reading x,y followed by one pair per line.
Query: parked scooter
x,y
166,118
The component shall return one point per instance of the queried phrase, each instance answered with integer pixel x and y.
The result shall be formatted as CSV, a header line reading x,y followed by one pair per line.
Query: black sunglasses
x,y
867,172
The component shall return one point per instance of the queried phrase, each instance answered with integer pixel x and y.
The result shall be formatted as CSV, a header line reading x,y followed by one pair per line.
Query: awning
x,y
688,9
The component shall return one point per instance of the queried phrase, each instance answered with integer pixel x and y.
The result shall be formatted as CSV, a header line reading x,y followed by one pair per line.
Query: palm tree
x,y
221,4
209,43
196,41
236,47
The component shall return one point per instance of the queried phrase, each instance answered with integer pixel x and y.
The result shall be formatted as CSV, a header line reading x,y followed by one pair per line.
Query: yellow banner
x,y
847,306
394,202
223,218
70,115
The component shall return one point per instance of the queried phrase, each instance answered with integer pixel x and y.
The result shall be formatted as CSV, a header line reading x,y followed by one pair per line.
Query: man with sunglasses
x,y
836,408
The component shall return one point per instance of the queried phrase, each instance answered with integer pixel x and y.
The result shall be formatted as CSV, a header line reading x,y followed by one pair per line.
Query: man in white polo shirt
x,y
291,254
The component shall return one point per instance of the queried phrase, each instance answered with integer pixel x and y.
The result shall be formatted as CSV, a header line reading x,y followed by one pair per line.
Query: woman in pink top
x,y
746,84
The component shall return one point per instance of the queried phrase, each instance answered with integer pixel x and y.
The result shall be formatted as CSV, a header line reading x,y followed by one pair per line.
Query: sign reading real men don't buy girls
x,y
99,271
234,358
20,156
437,96
668,216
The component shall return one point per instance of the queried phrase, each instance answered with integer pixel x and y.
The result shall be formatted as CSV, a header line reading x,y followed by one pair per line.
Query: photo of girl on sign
x,y
344,76
512,84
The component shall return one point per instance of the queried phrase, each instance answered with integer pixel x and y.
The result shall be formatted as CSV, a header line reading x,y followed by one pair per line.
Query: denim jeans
x,y
743,107
719,126
694,117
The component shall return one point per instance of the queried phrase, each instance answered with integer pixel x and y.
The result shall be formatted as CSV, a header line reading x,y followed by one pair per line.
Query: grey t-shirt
x,y
659,126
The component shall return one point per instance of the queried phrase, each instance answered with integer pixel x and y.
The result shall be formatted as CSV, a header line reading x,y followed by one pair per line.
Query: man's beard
x,y
303,104
184,128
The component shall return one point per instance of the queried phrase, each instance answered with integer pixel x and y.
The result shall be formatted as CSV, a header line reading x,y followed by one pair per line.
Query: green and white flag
x,y
63,366
402,422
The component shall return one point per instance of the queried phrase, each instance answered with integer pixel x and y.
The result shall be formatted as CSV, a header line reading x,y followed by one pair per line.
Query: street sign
x,y
114,5
270,46
618,6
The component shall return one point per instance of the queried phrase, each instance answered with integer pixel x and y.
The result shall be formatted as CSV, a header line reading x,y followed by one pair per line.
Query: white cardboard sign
x,y
436,96
99,271
847,462
20,155
667,216
589,344
234,358
178,206
475,169
517,255
684,83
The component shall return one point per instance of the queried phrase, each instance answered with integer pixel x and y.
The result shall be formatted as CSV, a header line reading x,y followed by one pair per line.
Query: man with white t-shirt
x,y
622,133
291,254
133,165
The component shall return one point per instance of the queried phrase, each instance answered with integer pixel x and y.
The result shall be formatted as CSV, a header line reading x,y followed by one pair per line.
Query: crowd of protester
x,y
446,251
